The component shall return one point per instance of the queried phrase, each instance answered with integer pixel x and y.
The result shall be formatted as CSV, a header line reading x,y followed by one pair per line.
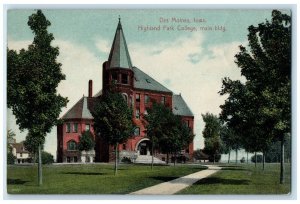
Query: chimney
x,y
90,88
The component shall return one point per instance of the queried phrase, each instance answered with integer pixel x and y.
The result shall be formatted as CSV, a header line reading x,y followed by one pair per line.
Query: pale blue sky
x,y
190,63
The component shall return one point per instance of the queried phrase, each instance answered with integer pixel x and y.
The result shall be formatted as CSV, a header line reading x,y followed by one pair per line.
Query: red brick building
x,y
139,90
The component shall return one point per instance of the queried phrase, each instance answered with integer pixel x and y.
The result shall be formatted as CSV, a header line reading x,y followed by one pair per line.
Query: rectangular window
x,y
187,123
163,100
124,146
115,77
147,99
75,127
136,131
124,79
137,97
68,127
21,155
87,127
137,113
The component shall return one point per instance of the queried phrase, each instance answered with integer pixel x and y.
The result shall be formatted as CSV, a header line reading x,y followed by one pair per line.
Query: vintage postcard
x,y
149,101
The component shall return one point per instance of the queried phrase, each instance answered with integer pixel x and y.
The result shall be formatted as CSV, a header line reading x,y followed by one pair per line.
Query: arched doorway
x,y
143,147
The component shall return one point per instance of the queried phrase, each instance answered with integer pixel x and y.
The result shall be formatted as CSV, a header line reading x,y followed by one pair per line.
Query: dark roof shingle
x,y
144,81
81,110
180,107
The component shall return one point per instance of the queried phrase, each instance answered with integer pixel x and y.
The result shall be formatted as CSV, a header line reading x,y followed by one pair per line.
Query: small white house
x,y
22,155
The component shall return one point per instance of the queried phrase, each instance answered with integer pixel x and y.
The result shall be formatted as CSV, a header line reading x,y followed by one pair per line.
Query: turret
x,y
117,71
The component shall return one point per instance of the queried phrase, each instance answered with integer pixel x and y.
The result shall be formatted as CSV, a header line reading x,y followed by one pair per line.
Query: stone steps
x,y
147,159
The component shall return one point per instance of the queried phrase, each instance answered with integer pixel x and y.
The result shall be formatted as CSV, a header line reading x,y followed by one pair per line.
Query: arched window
x,y
71,145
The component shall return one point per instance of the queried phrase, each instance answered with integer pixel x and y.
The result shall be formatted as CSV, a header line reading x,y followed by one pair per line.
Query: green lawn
x,y
243,179
91,179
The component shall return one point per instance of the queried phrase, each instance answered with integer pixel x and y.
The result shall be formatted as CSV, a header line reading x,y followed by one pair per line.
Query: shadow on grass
x,y
230,166
164,178
16,182
214,180
233,169
84,173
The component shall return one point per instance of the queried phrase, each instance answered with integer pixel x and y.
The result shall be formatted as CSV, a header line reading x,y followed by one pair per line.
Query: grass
x,y
243,179
91,178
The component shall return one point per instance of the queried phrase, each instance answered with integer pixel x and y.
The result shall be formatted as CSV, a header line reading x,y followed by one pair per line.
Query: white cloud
x,y
103,45
18,45
79,65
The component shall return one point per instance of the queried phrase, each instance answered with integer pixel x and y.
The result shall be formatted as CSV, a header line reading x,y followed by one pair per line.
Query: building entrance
x,y
144,147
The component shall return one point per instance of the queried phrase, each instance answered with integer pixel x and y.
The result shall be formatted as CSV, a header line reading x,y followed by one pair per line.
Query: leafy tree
x,y
86,141
211,134
33,76
230,141
32,142
113,120
199,154
257,158
261,107
166,130
10,158
273,154
10,138
47,158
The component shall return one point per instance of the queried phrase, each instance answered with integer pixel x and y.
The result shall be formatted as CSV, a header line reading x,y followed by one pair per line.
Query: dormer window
x,y
124,78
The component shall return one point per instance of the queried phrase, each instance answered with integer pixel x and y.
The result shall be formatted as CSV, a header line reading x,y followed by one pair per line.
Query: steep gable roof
x,y
20,148
180,107
81,110
144,81
119,55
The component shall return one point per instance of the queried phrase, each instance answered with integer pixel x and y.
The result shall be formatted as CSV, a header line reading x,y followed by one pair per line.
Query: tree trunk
x,y
167,157
40,175
263,161
282,163
255,159
214,158
229,157
236,156
247,158
152,149
116,159
174,159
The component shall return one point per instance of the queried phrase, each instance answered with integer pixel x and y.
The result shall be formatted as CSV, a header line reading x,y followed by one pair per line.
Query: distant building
x,y
139,91
21,154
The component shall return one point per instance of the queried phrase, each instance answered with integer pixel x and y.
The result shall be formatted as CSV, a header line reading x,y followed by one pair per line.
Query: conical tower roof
x,y
119,55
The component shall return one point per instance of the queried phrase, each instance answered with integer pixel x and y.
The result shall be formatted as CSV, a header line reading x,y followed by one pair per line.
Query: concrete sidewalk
x,y
176,185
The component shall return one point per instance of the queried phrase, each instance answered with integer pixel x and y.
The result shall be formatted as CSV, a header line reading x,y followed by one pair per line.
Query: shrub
x,y
47,158
242,160
217,158
126,160
10,158
258,159
86,141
